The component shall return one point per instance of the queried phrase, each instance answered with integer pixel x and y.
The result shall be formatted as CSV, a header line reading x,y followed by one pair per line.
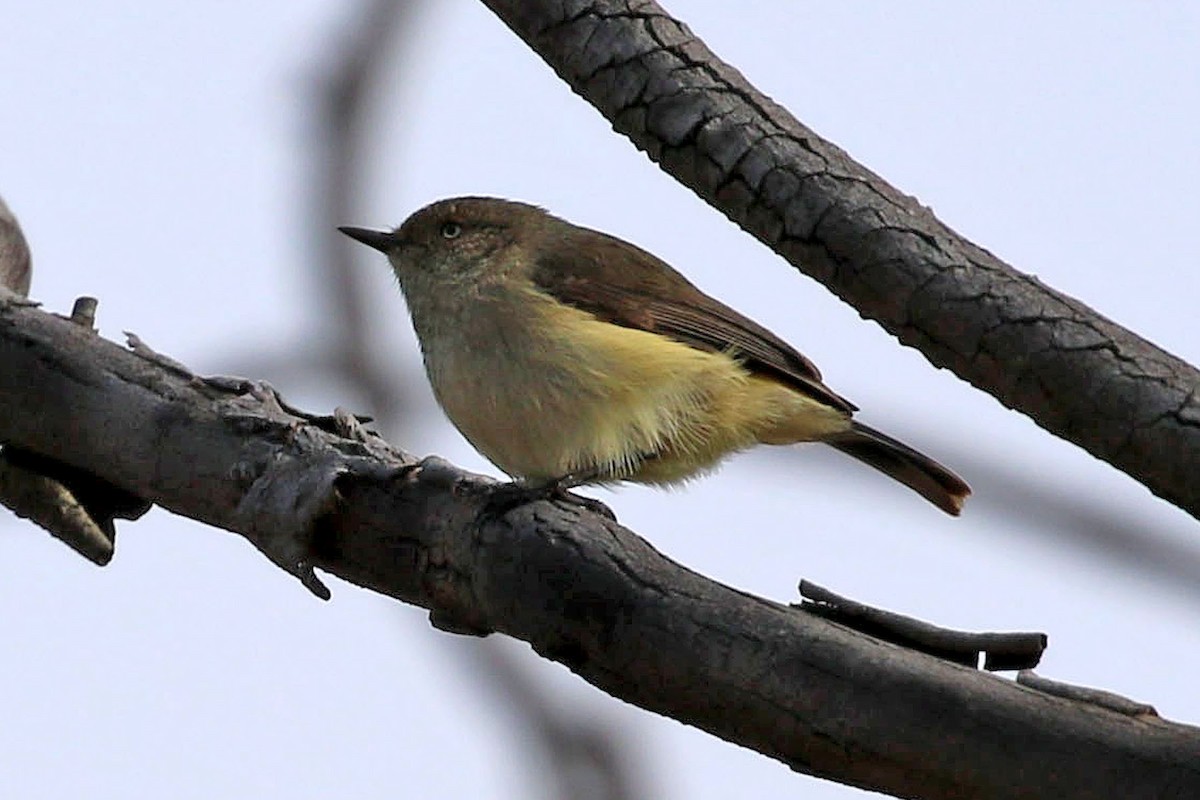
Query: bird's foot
x,y
507,496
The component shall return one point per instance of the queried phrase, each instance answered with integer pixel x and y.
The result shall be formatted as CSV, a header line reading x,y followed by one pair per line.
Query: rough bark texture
x,y
578,587
1076,373
585,591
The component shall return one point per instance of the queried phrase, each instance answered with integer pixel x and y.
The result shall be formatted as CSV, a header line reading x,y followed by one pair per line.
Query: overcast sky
x,y
156,157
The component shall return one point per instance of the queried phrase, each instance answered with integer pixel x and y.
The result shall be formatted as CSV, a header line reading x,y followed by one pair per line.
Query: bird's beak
x,y
382,241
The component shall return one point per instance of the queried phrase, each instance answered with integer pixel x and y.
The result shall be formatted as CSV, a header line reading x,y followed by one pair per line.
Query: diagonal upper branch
x,y
1076,373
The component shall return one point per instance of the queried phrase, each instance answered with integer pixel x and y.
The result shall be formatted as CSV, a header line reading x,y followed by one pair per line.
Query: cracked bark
x,y
577,586
1076,373
591,594
577,754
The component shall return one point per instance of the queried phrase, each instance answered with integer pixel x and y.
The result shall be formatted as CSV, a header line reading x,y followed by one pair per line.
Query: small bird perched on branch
x,y
567,356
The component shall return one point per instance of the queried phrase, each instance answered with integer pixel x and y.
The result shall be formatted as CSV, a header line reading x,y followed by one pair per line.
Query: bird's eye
x,y
451,230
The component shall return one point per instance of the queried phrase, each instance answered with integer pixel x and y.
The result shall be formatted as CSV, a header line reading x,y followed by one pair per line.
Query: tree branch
x,y
573,751
585,591
1076,373
578,587
75,507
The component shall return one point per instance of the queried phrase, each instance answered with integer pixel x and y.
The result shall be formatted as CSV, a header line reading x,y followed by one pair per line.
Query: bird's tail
x,y
897,460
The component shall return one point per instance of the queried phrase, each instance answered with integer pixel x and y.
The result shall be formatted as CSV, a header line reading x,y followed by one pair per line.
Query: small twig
x,y
83,313
1086,694
52,506
1001,651
135,343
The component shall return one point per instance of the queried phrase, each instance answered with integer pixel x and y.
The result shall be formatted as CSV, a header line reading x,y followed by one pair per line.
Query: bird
x,y
570,357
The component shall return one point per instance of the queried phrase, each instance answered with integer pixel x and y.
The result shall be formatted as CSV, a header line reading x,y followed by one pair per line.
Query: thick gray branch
x,y
578,587
1077,374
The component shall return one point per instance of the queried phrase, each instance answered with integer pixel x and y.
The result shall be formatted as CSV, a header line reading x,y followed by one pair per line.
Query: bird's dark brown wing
x,y
625,285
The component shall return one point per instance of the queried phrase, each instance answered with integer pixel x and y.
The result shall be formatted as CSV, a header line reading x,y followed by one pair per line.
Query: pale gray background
x,y
155,156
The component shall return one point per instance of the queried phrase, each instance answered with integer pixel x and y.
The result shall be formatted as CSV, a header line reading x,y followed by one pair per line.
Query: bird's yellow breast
x,y
545,390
